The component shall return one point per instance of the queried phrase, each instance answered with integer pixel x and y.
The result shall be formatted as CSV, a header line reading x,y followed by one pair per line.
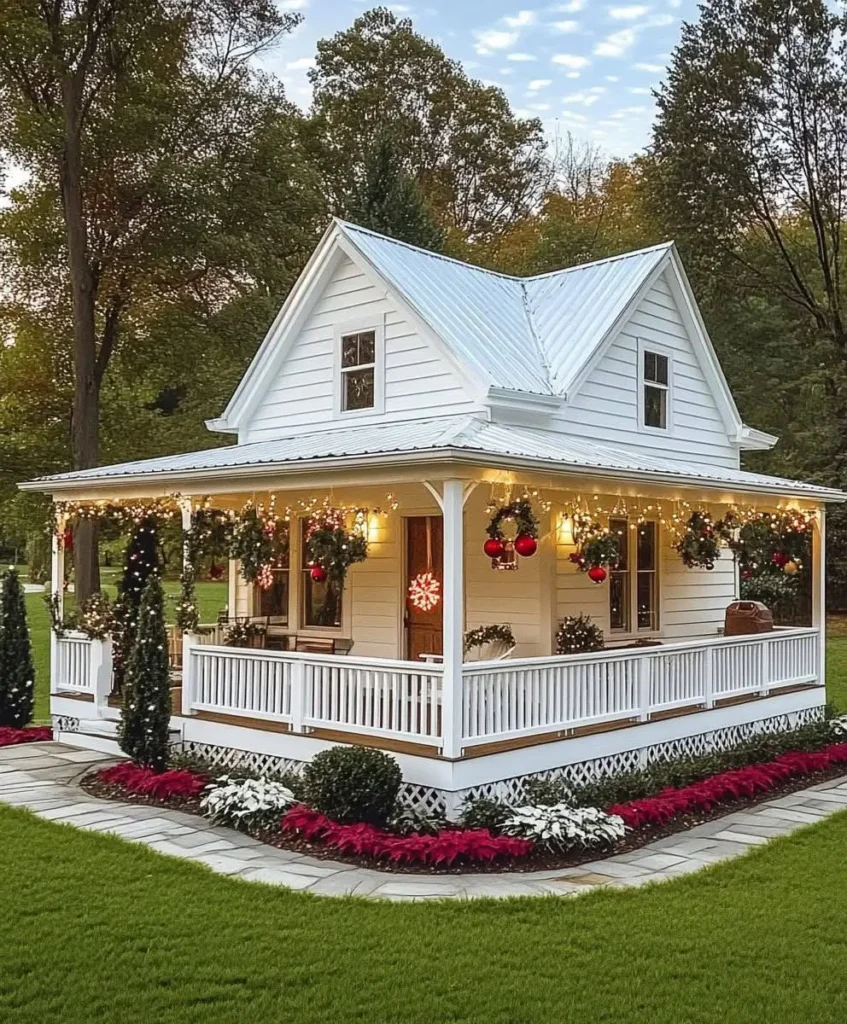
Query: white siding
x,y
419,381
693,601
606,406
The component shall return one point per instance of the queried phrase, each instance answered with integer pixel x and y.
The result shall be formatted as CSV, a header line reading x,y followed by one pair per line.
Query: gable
x,y
606,403
301,392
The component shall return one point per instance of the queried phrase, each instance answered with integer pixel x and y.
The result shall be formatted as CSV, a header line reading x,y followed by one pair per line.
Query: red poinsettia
x,y
9,737
733,785
177,783
445,848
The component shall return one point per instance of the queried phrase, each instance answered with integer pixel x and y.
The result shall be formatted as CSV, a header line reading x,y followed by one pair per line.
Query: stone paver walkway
x,y
42,776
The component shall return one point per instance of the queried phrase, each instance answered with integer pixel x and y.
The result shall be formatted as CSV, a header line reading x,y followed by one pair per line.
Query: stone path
x,y
42,776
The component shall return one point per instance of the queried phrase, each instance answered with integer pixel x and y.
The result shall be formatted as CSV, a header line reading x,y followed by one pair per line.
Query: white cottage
x,y
427,393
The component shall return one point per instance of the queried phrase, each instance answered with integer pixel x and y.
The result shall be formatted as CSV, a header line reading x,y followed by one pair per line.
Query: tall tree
x,y
129,117
386,198
481,167
17,674
751,171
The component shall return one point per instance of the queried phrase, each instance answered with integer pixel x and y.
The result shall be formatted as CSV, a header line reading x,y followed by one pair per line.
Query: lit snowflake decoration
x,y
265,577
424,591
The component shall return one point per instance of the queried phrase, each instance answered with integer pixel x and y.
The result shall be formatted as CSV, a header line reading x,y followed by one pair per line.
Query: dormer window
x,y
358,371
655,390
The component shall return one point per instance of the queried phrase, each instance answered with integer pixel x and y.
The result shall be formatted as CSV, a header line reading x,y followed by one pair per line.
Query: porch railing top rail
x,y
623,653
314,658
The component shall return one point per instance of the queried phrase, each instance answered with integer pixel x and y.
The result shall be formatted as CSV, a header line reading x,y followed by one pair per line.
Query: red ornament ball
x,y
779,558
525,545
494,547
597,574
318,573
216,572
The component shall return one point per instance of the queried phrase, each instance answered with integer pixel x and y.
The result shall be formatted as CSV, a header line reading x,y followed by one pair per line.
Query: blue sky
x,y
581,66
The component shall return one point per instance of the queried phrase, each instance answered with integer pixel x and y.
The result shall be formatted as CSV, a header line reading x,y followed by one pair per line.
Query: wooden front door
x,y
424,553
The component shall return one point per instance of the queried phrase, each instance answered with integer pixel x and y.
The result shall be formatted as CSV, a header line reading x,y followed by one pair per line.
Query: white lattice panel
x,y
230,758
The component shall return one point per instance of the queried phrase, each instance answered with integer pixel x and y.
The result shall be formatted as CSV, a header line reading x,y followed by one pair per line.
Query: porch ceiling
x,y
462,440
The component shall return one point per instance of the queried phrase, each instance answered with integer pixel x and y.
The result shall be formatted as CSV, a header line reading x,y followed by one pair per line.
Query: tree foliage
x,y
17,674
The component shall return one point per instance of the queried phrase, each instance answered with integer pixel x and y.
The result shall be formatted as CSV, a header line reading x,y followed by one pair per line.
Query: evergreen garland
x,y
489,634
577,634
17,674
332,547
256,542
699,546
146,710
595,546
140,563
95,617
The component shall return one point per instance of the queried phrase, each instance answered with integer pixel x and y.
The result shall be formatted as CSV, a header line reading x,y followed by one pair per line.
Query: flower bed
x,y
33,734
177,784
718,789
444,848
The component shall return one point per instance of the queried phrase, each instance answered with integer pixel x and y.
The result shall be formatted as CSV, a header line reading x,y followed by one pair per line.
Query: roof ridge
x,y
542,352
659,246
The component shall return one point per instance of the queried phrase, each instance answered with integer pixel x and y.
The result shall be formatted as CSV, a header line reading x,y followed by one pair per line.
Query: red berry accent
x,y
525,545
597,574
494,547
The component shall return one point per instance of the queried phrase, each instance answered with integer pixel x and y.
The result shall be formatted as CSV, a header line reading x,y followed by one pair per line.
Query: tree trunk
x,y
85,424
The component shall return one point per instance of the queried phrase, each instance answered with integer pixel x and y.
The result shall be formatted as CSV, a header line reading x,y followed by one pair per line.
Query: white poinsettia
x,y
839,725
562,827
246,803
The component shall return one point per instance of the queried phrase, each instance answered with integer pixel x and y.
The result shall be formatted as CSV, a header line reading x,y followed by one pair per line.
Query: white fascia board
x,y
279,336
750,439
476,386
238,477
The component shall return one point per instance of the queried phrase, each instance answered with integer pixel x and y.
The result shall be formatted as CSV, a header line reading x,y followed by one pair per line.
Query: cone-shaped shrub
x,y
146,710
141,561
17,675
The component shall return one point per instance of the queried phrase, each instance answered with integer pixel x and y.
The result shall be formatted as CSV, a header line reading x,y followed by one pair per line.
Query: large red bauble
x,y
525,545
318,573
596,573
216,572
494,547
779,558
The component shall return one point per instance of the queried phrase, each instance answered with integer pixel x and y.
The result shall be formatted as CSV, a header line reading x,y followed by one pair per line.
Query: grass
x,y
104,931
211,598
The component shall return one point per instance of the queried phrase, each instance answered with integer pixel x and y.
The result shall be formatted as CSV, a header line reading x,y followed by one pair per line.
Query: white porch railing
x,y
526,697
398,699
81,665
501,700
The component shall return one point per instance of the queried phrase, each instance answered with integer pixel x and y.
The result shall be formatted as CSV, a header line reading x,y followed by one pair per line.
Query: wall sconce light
x,y
565,531
373,527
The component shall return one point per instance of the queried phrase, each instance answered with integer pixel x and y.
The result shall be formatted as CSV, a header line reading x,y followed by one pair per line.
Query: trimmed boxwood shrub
x,y
353,784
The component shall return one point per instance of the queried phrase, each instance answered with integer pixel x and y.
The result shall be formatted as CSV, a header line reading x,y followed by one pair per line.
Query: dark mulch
x,y
536,861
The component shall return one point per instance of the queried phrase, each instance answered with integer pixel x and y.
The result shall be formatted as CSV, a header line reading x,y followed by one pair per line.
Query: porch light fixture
x,y
566,535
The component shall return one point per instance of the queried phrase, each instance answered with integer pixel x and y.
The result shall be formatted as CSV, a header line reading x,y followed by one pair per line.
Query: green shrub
x,y
546,792
482,812
353,784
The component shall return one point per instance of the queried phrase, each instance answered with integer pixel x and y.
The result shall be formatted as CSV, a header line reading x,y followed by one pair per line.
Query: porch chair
x,y
323,645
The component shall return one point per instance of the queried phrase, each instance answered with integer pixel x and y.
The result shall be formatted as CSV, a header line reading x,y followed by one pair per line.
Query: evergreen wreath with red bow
x,y
526,526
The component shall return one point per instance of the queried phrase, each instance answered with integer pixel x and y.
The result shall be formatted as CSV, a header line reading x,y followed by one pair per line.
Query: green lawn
x,y
211,598
97,930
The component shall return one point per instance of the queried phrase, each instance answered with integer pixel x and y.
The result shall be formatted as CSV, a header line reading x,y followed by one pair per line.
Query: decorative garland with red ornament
x,y
331,547
526,530
699,546
596,548
760,539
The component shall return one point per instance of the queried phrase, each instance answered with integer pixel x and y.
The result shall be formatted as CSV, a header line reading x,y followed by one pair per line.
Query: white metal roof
x,y
455,437
522,333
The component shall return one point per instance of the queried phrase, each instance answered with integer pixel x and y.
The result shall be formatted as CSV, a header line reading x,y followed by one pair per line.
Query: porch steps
x,y
100,734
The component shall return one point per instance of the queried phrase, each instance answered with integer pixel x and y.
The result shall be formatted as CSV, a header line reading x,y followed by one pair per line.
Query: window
x,y
634,588
655,390
320,603
273,600
358,370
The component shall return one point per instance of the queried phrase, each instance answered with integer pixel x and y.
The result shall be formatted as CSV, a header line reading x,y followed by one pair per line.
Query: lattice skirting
x,y
427,799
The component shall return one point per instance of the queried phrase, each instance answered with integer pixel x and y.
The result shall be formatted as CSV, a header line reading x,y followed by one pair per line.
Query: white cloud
x,y
654,69
521,19
521,58
612,78
619,115
301,64
570,8
659,21
494,39
400,8
292,5
571,115
584,98
628,13
539,83
506,71
616,44
565,26
573,74
638,90
674,3
571,60
541,107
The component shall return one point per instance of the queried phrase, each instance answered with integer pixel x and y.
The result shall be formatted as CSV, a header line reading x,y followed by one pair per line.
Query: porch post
x,y
453,618
57,590
819,589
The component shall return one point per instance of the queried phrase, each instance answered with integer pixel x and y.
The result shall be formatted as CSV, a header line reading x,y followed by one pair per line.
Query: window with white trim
x,y
634,581
358,371
655,376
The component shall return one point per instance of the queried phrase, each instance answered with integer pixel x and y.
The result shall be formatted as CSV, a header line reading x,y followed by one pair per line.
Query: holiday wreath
x,y
700,546
331,547
526,529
